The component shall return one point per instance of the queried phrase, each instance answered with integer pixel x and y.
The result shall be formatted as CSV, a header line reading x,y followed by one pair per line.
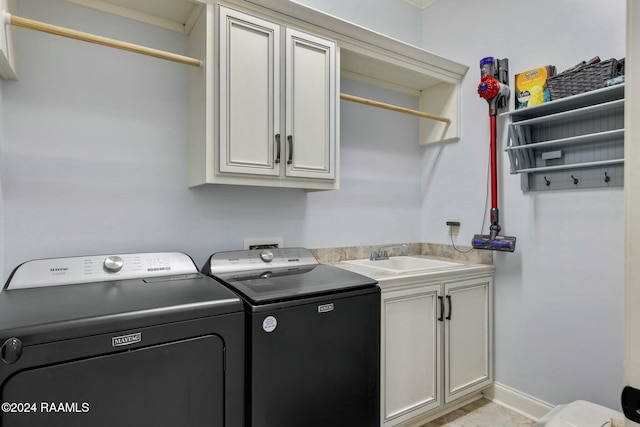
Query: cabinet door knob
x,y
441,318
290,141
277,160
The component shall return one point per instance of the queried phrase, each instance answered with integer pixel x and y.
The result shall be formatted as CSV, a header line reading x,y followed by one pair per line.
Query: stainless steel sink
x,y
404,264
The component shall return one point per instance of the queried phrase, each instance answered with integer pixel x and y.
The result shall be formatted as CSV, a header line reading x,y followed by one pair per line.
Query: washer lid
x,y
282,284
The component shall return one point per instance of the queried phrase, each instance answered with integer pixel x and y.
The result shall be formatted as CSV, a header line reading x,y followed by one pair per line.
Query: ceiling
x,y
421,3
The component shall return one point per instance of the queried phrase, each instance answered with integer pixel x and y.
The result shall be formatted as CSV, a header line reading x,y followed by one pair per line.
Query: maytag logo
x,y
126,339
325,308
58,269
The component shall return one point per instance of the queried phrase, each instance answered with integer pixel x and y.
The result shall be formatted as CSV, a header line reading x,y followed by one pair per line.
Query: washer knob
x,y
113,264
266,256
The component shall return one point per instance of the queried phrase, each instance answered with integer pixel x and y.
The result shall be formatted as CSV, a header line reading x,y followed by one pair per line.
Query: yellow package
x,y
531,87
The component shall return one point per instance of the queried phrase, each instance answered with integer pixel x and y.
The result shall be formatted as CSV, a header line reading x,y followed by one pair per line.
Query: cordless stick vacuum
x,y
494,87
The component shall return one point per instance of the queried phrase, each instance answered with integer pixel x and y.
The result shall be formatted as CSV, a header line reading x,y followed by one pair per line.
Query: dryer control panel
x,y
99,268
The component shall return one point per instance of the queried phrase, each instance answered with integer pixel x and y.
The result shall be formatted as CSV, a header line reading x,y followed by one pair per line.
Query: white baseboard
x,y
437,413
517,401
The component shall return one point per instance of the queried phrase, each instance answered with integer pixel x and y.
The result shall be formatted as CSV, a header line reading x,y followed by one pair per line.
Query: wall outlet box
x,y
454,226
262,243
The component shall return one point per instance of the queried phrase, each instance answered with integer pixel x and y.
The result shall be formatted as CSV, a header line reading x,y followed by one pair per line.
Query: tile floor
x,y
482,413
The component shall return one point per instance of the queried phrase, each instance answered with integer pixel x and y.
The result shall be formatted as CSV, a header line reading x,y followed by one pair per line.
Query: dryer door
x,y
179,383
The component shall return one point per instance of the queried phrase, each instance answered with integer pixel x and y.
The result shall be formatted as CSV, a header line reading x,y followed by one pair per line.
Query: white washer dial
x,y
113,264
266,256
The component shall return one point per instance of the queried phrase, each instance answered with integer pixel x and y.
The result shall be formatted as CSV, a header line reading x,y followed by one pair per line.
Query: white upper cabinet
x,y
263,110
249,101
310,106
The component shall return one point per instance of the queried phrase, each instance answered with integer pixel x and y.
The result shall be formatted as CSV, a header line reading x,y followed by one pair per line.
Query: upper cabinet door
x,y
249,67
311,94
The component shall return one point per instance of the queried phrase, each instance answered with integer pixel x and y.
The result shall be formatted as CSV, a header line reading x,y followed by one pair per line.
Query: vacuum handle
x,y
494,162
441,318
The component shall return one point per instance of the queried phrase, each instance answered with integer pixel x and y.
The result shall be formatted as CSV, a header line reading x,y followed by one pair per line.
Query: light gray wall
x,y
95,157
393,18
559,297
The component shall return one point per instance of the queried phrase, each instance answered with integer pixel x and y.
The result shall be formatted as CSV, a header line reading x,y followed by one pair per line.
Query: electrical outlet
x,y
262,243
454,226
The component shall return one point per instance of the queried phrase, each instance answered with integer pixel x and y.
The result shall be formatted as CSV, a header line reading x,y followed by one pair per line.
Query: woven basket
x,y
583,79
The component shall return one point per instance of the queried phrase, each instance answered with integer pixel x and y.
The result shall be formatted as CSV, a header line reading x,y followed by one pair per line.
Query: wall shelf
x,y
364,54
574,142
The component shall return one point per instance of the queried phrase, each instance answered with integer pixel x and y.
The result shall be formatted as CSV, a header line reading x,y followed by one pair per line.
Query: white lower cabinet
x,y
437,345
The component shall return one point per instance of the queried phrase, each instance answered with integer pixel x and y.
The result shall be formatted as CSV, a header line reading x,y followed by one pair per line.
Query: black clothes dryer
x,y
123,340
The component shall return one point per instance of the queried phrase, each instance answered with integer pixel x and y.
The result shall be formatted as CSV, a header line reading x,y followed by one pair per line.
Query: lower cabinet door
x,y
410,358
468,338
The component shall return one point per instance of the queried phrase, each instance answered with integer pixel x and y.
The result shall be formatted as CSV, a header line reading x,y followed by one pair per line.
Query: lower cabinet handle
x,y
278,145
441,318
290,141
449,301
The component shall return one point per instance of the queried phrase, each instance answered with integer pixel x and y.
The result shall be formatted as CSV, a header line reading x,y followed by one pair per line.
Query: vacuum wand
x,y
494,88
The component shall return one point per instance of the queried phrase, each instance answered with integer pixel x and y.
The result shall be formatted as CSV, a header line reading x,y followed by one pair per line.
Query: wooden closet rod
x,y
104,41
392,107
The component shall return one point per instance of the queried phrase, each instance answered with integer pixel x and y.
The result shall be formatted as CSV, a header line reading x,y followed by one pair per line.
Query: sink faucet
x,y
383,253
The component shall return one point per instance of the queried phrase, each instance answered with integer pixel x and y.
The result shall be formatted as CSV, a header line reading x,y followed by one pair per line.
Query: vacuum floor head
x,y
499,243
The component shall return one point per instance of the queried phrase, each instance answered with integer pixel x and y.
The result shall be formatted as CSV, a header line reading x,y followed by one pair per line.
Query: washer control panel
x,y
99,268
258,259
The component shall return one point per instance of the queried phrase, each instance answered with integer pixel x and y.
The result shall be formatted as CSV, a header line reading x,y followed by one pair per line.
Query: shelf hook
x,y
546,181
607,178
575,180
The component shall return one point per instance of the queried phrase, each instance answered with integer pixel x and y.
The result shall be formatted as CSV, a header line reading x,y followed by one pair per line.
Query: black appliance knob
x,y
11,350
